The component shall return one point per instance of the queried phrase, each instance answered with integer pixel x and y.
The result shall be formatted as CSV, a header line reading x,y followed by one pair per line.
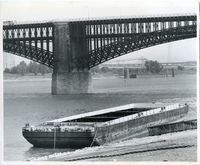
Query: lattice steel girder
x,y
105,32
24,51
133,43
32,41
126,25
27,32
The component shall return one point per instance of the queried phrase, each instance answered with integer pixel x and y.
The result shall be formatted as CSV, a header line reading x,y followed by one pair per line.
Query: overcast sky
x,y
185,50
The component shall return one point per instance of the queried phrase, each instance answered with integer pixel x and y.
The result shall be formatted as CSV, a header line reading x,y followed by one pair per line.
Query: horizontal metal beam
x,y
137,20
32,25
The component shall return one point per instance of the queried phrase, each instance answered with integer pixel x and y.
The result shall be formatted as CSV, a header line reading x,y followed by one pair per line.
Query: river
x,y
30,101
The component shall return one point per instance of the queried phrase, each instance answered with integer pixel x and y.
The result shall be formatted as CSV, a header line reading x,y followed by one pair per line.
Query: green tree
x,y
104,69
33,67
41,69
13,70
6,70
153,66
22,68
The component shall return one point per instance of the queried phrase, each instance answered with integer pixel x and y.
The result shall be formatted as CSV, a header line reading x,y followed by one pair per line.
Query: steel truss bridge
x,y
102,40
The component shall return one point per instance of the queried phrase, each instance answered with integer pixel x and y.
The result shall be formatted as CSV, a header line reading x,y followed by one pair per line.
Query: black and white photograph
x,y
99,81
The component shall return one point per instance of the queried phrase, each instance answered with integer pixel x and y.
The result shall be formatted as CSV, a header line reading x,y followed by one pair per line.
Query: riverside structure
x,y
102,126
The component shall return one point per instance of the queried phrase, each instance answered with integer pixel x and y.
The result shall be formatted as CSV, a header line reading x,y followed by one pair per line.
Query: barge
x,y
102,126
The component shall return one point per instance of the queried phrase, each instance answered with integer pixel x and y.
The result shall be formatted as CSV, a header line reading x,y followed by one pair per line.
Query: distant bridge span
x,y
72,46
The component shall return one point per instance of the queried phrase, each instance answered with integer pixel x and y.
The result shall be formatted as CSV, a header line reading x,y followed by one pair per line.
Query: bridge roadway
x,y
71,48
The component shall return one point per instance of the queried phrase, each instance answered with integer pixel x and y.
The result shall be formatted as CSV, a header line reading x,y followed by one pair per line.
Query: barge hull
x,y
60,139
73,134
132,128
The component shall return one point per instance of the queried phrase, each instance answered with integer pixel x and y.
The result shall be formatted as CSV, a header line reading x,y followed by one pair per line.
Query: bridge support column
x,y
64,79
126,73
71,82
173,75
166,72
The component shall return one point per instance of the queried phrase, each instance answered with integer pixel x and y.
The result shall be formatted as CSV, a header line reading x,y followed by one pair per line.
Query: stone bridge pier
x,y
66,80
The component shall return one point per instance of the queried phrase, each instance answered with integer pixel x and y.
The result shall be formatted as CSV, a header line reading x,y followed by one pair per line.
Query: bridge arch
x,y
35,41
37,55
133,43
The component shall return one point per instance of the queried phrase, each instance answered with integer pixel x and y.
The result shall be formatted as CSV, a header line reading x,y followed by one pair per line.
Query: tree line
x,y
153,67
22,68
33,67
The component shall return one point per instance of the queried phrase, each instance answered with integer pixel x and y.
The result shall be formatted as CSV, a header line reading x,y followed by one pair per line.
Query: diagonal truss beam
x,y
132,43
97,40
39,55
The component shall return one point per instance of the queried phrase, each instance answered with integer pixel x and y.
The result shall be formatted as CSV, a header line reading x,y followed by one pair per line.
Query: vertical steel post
x,y
30,42
47,44
24,42
36,41
54,138
18,42
41,43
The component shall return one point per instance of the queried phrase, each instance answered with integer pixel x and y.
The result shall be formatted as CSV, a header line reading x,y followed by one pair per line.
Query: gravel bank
x,y
173,147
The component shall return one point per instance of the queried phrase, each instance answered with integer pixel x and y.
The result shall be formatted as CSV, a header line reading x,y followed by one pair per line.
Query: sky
x,y
184,50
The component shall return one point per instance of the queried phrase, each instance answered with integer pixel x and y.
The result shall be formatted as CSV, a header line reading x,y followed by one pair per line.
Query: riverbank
x,y
39,76
172,147
27,77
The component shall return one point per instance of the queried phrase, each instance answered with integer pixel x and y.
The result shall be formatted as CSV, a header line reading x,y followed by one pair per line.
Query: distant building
x,y
139,65
133,63
191,64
